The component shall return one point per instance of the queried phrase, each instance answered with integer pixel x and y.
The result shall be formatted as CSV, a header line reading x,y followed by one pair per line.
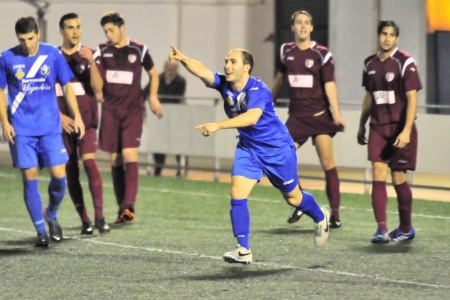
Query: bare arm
x,y
332,95
404,137
277,85
73,105
365,114
193,66
8,130
154,103
246,119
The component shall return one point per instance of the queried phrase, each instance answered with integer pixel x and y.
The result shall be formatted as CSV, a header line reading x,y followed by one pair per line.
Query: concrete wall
x,y
174,135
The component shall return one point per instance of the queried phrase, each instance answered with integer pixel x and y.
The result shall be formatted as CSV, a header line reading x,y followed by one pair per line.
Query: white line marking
x,y
266,264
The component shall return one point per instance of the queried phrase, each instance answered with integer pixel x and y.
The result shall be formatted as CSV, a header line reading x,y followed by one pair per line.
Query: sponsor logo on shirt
x,y
372,72
108,55
402,161
309,63
290,58
389,76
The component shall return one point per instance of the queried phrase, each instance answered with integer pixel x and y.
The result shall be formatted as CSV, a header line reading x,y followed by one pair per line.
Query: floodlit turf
x,y
182,228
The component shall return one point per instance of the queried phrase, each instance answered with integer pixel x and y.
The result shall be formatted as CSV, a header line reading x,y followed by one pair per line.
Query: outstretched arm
x,y
246,119
193,66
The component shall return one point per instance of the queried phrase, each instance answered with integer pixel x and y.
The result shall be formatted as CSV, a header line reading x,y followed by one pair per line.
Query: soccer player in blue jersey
x,y
264,146
32,124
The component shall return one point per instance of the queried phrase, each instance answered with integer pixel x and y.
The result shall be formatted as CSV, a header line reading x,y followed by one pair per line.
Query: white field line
x,y
266,264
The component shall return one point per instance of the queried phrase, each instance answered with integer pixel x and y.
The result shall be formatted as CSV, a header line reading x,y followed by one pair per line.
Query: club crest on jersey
x,y
309,63
80,68
20,74
132,58
389,76
45,70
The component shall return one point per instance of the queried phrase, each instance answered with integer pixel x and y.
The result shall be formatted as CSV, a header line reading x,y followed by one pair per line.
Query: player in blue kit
x,y
32,124
264,146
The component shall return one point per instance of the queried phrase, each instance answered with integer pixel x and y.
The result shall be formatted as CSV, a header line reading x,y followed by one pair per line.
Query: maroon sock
x,y
404,198
379,203
131,185
95,186
118,178
333,192
75,189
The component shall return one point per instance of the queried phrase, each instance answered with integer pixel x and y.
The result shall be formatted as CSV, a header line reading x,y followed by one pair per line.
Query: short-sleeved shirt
x,y
33,107
388,81
81,85
269,133
121,69
307,72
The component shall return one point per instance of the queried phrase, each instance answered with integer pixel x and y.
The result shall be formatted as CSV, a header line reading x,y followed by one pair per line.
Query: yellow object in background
x,y
438,15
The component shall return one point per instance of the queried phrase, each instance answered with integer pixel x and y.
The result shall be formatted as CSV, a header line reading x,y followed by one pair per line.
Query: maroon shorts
x,y
88,144
381,147
121,129
302,128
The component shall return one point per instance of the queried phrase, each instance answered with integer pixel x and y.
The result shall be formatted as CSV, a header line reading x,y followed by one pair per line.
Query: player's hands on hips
x,y
67,124
78,126
207,129
362,140
402,139
8,132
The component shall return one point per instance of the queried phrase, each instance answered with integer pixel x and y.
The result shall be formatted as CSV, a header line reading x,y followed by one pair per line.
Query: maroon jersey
x,y
121,69
307,71
388,81
81,85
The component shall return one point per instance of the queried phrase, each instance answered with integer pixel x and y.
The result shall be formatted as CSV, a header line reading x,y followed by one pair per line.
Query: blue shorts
x,y
43,151
280,166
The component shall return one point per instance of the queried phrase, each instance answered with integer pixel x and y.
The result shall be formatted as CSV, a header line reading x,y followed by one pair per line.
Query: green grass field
x,y
182,228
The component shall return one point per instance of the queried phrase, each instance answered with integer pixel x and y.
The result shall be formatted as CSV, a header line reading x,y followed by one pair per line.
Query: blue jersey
x,y
269,133
33,107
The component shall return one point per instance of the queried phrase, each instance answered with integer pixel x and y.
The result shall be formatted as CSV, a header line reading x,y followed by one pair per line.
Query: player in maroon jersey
x,y
85,84
309,68
391,80
121,61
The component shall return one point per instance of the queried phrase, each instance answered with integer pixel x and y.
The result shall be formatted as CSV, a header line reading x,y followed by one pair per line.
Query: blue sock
x,y
240,221
310,207
33,202
56,192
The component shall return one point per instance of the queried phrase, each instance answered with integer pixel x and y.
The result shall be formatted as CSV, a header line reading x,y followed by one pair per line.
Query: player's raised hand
x,y
176,54
85,52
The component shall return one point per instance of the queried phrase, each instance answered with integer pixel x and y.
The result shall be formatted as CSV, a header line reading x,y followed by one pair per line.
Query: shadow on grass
x,y
236,272
14,251
389,248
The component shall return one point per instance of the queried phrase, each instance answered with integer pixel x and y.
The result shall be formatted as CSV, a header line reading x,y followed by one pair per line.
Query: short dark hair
x,y
301,12
66,17
26,25
112,17
247,59
382,24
